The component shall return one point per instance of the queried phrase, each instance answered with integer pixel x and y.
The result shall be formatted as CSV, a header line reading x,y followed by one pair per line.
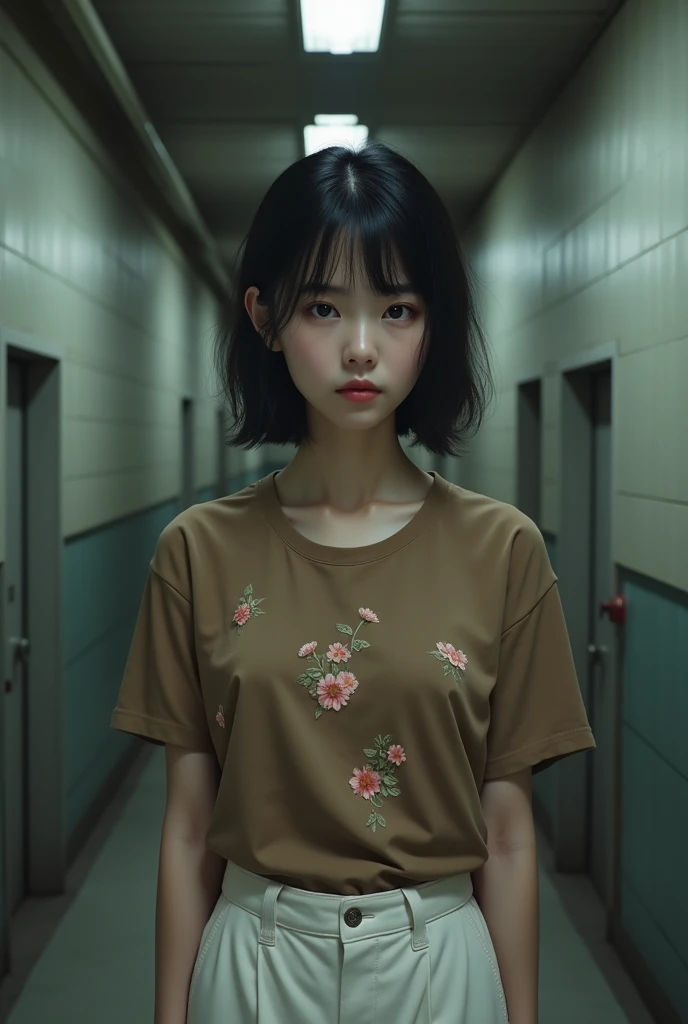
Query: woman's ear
x,y
257,312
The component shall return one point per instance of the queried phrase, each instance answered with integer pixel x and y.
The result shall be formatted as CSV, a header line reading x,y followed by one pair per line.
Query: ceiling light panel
x,y
341,26
319,136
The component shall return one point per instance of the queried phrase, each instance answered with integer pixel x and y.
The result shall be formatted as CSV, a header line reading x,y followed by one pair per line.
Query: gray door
x,y
15,676
603,678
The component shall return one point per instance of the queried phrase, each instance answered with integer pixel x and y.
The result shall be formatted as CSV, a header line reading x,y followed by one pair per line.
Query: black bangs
x,y
371,215
367,245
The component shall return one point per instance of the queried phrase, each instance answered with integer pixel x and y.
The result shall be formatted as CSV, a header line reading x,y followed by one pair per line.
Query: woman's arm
x,y
506,888
189,878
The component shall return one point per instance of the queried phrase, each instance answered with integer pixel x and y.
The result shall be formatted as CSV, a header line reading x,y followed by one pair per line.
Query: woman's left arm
x,y
506,888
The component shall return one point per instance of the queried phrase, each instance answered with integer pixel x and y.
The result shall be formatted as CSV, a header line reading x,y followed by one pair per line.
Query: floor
x,y
87,956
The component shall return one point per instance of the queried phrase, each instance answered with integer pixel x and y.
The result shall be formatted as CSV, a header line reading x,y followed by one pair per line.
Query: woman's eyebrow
x,y
318,288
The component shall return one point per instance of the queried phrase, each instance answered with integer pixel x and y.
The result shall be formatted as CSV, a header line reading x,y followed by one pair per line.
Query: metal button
x,y
353,917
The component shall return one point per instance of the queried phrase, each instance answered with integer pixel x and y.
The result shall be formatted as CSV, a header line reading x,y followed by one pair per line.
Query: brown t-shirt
x,y
356,698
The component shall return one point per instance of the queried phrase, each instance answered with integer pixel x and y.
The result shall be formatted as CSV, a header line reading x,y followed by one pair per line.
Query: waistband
x,y
349,918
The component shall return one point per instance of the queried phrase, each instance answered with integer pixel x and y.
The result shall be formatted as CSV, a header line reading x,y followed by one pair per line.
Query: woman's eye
x,y
396,312
321,310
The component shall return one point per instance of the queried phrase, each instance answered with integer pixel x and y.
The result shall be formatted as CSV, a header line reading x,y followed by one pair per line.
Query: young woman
x,y
354,665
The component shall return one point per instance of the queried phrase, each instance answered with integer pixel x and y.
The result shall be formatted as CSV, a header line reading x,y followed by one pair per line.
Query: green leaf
x,y
394,791
371,819
381,821
313,673
344,628
257,600
373,825
258,611
383,790
303,680
447,669
319,710
313,690
375,800
249,590
390,780
387,740
369,752
358,645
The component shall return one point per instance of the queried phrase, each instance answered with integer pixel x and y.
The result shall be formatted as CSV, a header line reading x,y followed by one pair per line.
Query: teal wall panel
x,y
206,494
104,572
654,907
656,668
655,782
241,480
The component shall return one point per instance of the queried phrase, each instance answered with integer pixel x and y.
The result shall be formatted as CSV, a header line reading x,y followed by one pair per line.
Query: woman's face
x,y
347,332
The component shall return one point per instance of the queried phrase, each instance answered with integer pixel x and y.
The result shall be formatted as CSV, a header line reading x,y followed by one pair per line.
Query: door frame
x,y
46,818
524,380
187,484
573,547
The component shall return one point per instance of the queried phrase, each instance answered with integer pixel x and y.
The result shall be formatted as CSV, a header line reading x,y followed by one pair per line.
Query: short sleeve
x,y
537,714
160,696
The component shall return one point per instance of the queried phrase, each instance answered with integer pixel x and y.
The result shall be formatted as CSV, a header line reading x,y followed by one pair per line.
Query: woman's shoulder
x,y
472,510
505,544
206,533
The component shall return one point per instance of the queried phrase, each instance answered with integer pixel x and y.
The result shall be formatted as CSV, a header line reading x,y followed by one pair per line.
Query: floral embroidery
x,y
332,691
247,608
377,779
220,717
453,659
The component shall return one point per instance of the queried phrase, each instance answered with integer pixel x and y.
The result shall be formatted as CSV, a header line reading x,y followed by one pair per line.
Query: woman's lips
x,y
358,394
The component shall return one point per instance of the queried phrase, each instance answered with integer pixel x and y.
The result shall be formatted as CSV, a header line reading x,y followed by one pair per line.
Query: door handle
x,y
22,648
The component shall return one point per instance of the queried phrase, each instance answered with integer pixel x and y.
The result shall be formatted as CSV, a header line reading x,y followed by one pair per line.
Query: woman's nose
x,y
361,343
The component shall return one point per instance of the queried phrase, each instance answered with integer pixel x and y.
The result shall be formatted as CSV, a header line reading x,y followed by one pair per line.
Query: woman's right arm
x,y
189,877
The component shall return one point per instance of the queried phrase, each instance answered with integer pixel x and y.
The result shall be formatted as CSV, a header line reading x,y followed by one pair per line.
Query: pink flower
x,y
365,782
338,652
366,614
449,652
396,754
331,692
308,649
347,680
220,718
242,614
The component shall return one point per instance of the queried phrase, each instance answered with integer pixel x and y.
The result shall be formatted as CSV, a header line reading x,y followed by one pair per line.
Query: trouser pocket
x,y
212,926
479,924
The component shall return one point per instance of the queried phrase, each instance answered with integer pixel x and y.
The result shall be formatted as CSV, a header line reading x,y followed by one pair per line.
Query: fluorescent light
x,y
319,136
341,26
336,119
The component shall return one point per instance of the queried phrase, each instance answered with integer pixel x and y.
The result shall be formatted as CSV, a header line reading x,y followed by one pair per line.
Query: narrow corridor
x,y
79,976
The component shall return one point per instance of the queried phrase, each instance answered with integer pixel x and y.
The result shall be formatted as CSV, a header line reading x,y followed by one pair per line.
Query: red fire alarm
x,y
615,609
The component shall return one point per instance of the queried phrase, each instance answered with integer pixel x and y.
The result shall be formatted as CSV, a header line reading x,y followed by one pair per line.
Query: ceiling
x,y
454,86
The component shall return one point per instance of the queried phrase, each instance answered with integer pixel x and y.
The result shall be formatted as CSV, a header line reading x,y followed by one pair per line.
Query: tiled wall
x,y
85,267
584,242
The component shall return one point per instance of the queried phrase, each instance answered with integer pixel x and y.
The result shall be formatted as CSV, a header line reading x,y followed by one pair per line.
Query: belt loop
x,y
420,937
268,920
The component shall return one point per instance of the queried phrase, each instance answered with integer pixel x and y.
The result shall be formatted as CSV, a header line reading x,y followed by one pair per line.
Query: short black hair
x,y
321,208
